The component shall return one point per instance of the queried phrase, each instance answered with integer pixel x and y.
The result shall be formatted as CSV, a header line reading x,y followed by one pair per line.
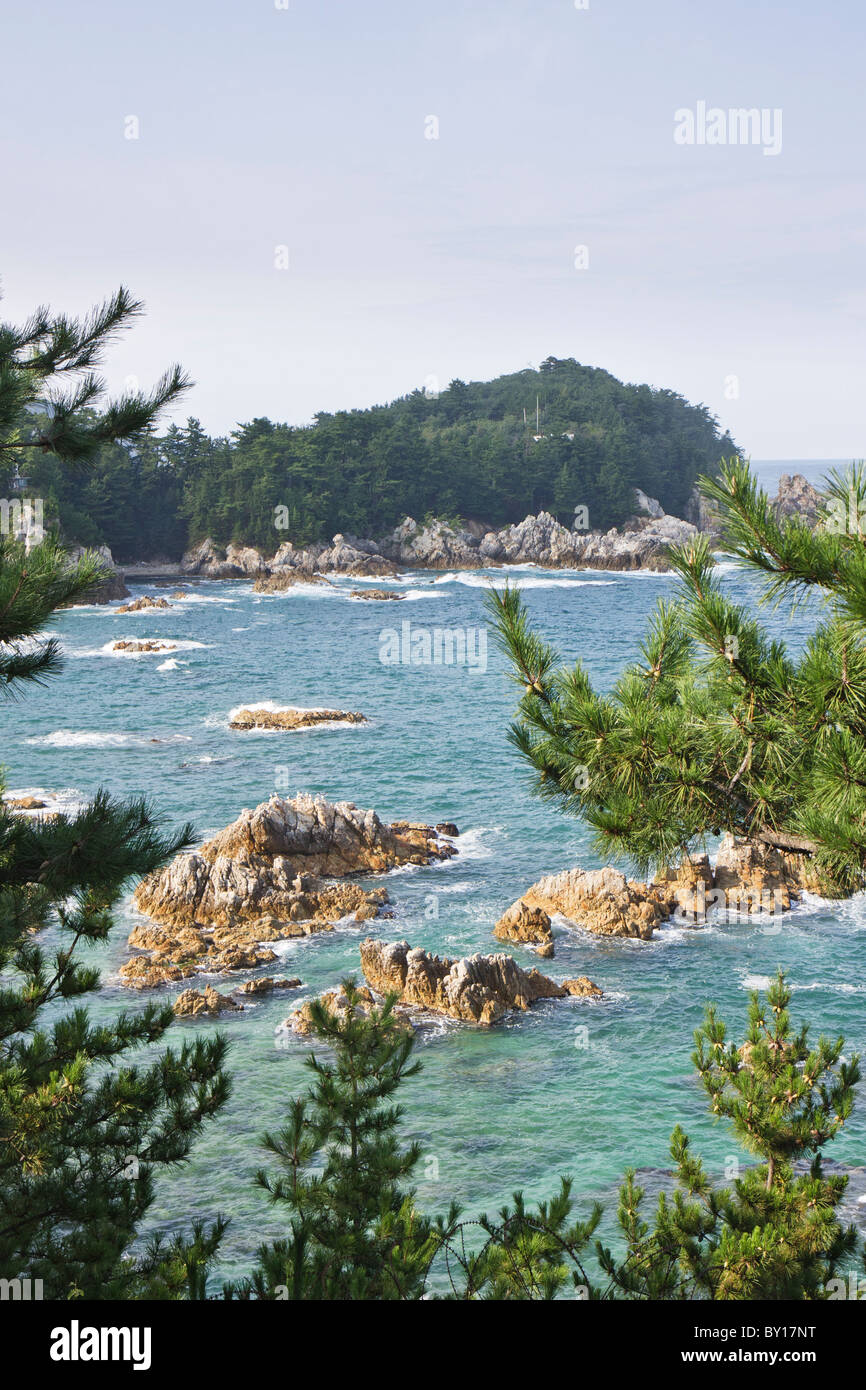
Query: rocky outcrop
x,y
281,579
602,901
383,595
267,863
798,499
193,1003
141,603
266,984
290,719
527,926
750,872
438,545
132,646
542,540
478,989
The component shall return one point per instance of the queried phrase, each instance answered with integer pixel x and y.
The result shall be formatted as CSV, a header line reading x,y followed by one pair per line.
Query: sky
x,y
326,204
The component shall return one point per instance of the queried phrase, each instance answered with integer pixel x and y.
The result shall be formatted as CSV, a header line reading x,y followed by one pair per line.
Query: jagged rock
x,y
649,506
337,1004
141,603
435,546
249,870
293,718
148,972
24,803
192,1003
602,901
749,870
447,827
797,498
383,595
582,987
144,646
266,985
179,593
528,926
478,989
209,560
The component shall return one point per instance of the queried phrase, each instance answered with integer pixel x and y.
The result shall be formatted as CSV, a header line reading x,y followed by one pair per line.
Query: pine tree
x,y
83,1130
354,1229
775,1234
718,727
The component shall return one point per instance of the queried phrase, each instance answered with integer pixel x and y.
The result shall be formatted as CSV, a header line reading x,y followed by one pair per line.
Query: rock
x,y
148,972
337,1004
148,646
24,803
208,559
754,875
798,499
279,580
435,546
109,588
648,505
266,985
292,718
528,926
447,827
478,989
141,603
383,595
263,879
191,1003
179,593
602,901
582,987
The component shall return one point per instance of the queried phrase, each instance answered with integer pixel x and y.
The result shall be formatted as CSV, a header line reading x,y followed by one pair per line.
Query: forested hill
x,y
586,440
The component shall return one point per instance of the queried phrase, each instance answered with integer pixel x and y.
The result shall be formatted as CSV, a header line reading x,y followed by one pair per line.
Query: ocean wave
x,y
166,644
69,801
87,738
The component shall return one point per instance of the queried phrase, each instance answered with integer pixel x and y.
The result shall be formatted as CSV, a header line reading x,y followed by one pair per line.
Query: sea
x,y
578,1087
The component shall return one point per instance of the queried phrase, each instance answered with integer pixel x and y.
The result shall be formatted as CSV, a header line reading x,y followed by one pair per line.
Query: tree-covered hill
x,y
564,436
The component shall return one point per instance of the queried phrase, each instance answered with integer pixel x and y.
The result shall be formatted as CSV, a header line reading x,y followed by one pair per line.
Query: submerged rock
x,y
478,989
293,718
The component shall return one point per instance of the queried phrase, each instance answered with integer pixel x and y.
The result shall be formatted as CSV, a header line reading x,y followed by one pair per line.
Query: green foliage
x,y
466,452
717,727
355,1232
83,1129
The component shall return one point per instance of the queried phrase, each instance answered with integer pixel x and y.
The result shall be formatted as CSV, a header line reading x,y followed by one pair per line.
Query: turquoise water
x,y
494,1110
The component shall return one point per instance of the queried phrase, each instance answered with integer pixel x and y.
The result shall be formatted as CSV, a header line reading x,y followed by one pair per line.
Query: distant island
x,y
568,440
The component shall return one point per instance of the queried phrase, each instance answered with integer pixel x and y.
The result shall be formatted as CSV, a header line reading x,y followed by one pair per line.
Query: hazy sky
x,y
411,258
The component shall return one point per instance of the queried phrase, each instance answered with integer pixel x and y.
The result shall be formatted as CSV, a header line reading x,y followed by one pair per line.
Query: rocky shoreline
x,y
640,544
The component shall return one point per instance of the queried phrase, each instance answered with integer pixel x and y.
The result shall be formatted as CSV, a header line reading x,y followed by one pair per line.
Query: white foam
x,y
68,802
85,738
164,644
